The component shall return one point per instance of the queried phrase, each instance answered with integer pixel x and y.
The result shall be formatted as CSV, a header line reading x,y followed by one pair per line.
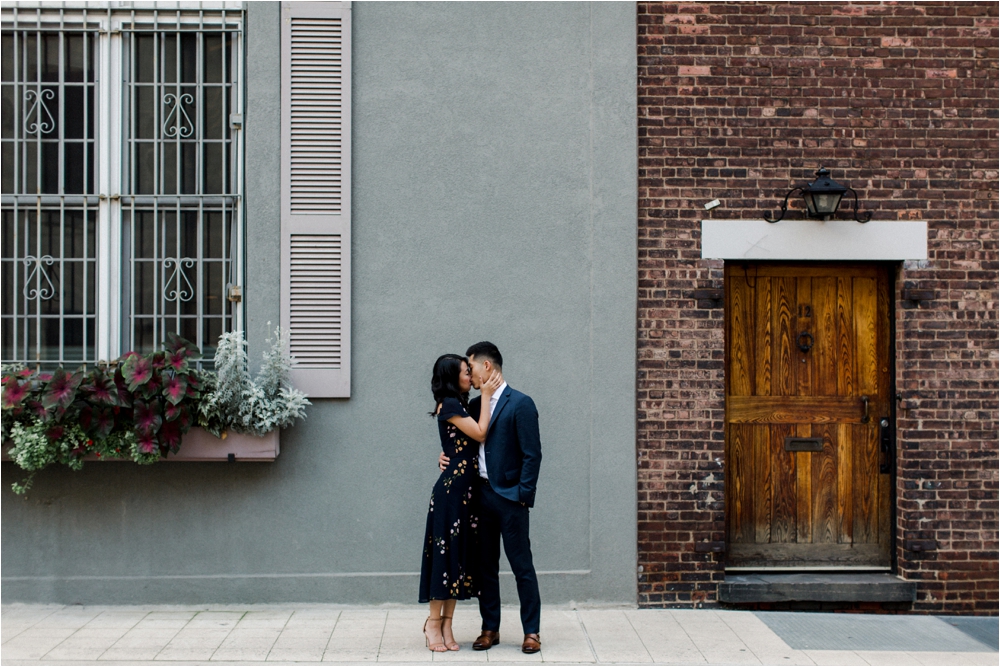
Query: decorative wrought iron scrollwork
x,y
34,101
177,124
44,288
182,289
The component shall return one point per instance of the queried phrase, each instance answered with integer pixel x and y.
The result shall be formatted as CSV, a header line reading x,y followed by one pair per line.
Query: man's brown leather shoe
x,y
487,640
532,644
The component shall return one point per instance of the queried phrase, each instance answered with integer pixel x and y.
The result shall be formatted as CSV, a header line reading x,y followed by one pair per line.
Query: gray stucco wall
x,y
494,198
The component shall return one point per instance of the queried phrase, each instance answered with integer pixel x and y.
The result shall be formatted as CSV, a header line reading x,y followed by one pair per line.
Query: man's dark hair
x,y
486,350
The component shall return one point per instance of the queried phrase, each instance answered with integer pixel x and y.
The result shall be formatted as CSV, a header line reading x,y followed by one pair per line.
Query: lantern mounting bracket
x,y
822,198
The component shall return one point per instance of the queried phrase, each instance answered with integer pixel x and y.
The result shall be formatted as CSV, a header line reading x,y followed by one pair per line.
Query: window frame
x,y
111,24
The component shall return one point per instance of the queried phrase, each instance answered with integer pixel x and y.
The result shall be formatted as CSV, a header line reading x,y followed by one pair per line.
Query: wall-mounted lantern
x,y
822,198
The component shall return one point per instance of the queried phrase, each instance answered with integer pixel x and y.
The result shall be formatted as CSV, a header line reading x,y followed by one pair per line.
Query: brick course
x,y
899,100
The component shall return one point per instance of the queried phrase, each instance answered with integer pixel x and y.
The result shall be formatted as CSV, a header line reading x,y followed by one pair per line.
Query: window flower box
x,y
200,445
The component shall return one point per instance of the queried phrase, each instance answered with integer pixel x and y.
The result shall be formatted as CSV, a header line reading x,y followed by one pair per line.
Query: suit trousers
x,y
500,517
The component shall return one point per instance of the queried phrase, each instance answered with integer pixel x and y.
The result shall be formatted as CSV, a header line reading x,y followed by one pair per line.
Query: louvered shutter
x,y
316,194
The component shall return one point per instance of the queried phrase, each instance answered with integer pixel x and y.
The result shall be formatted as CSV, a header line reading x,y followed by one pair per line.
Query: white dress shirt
x,y
482,446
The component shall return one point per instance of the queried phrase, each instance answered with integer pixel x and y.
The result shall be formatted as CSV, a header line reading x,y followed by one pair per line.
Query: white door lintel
x,y
814,239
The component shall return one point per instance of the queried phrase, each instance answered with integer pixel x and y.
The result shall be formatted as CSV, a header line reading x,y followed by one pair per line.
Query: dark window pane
x,y
30,56
73,114
50,56
189,234
7,122
144,336
73,156
30,167
50,338
167,235
90,167
91,341
73,336
144,113
7,338
7,233
169,55
214,113
7,167
92,233
213,58
91,286
143,234
145,158
145,288
74,57
189,58
50,167
189,329
8,288
212,244
73,295
90,39
168,177
7,62
189,162
73,233
145,61
214,288
213,168
90,92
212,329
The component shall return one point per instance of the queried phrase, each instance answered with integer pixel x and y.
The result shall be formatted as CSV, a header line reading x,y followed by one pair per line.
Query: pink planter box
x,y
200,445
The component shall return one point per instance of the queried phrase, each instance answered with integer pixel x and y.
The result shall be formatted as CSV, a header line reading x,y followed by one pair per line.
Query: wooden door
x,y
807,482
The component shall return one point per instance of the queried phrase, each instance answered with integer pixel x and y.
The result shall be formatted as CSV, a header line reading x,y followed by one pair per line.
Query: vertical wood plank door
x,y
808,382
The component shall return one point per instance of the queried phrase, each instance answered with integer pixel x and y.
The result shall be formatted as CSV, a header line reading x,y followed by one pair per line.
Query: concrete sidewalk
x,y
221,634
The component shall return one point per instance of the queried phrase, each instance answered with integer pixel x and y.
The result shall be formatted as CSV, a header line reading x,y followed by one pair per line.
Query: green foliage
x,y
139,407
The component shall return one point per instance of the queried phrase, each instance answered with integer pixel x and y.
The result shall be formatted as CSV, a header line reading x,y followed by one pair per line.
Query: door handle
x,y
885,446
864,404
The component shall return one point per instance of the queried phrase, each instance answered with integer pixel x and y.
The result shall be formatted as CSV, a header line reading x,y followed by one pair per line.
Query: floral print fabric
x,y
450,545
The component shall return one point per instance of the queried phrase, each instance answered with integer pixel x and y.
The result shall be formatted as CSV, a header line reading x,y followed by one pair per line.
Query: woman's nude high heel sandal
x,y
437,648
452,646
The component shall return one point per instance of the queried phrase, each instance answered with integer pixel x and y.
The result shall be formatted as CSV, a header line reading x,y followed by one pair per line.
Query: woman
x,y
447,572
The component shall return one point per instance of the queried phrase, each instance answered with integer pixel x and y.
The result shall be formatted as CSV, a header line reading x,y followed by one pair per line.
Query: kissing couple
x,y
489,468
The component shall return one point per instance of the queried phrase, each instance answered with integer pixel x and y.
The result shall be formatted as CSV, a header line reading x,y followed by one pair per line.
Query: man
x,y
508,471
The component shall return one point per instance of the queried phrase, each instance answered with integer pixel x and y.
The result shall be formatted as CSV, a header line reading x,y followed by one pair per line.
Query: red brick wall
x,y
899,100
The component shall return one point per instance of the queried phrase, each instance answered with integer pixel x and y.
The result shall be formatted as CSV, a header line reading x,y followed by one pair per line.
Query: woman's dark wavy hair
x,y
444,380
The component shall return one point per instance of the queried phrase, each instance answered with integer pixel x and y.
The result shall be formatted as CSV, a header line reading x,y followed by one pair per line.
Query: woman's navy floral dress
x,y
450,551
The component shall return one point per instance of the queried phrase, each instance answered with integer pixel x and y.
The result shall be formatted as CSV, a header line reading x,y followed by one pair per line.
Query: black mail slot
x,y
803,444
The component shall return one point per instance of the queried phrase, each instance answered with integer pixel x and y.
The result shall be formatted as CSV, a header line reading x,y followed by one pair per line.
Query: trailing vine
x,y
139,407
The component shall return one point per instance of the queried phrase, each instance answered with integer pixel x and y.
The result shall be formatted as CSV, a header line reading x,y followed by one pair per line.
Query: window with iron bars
x,y
121,179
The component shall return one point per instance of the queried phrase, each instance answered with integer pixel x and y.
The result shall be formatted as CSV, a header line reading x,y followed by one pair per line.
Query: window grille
x,y
122,178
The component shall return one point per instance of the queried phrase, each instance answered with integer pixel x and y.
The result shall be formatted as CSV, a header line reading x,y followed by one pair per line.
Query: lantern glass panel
x,y
822,203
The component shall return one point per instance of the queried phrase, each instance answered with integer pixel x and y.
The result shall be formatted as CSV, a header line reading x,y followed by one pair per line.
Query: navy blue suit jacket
x,y
513,447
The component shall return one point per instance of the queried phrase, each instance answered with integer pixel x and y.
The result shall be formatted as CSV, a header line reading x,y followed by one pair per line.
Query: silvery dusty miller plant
x,y
255,406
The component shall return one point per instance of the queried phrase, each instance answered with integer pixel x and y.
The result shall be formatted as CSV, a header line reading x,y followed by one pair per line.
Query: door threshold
x,y
807,568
